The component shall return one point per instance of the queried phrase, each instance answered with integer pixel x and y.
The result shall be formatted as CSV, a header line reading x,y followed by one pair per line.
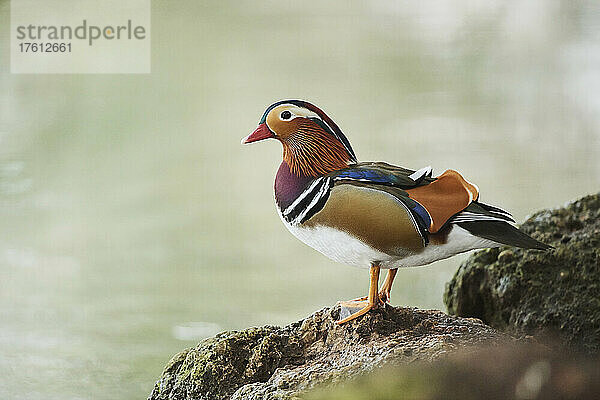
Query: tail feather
x,y
476,212
503,232
497,211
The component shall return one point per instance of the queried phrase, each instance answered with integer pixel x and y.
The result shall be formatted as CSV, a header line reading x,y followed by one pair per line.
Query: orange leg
x,y
386,289
372,300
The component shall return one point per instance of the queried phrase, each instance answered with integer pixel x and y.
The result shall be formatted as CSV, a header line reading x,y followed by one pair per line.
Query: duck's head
x,y
313,144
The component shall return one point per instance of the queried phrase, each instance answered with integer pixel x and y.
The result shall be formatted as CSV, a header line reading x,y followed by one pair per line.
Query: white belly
x,y
459,240
337,245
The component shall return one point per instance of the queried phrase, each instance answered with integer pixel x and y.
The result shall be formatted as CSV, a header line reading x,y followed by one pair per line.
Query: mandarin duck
x,y
373,214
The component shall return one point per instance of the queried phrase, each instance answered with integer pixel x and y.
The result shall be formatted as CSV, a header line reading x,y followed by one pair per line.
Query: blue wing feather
x,y
382,174
421,213
366,175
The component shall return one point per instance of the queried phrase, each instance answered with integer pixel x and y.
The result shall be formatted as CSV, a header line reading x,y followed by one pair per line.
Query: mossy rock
x,y
553,294
282,363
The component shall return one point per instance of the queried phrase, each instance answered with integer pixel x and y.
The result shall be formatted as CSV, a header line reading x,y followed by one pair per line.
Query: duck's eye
x,y
286,115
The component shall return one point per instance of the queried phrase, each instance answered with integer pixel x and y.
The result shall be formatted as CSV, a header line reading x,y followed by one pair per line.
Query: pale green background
x,y
129,207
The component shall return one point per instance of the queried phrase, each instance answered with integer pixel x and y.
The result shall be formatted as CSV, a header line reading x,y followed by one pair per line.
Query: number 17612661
x,y
33,47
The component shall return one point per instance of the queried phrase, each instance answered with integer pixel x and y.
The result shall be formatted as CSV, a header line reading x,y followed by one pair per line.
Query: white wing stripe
x,y
476,217
425,171
345,178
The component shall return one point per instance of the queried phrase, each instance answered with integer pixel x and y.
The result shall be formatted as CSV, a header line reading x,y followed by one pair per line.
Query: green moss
x,y
217,366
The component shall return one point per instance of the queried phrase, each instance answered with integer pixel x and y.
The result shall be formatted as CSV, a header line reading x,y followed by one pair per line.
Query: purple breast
x,y
288,186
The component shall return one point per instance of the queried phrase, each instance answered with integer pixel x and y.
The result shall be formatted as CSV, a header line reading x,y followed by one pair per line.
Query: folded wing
x,y
434,201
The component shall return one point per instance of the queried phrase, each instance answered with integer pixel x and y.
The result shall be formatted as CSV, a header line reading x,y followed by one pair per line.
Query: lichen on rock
x,y
554,294
281,363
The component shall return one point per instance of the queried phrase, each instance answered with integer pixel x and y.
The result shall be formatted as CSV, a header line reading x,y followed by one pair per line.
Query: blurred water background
x,y
133,222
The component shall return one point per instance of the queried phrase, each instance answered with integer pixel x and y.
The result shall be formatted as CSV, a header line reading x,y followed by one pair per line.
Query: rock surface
x,y
281,363
554,294
523,372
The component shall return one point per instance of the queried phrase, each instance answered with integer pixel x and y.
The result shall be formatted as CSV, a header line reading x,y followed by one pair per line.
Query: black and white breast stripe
x,y
309,202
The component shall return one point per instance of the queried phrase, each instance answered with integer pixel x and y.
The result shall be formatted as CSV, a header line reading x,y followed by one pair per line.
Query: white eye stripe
x,y
297,111
294,116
